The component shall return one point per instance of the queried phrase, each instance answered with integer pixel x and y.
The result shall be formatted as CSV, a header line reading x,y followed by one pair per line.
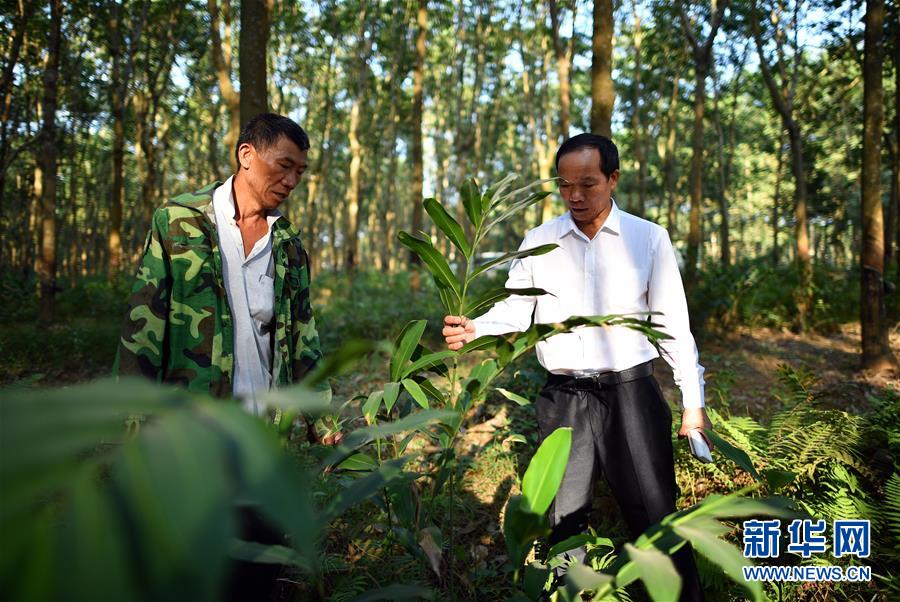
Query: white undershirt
x,y
250,286
628,267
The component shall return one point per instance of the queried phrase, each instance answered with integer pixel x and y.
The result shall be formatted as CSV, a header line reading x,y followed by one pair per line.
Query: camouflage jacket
x,y
178,328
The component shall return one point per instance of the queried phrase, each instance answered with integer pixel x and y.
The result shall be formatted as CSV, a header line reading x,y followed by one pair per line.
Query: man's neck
x,y
246,208
591,228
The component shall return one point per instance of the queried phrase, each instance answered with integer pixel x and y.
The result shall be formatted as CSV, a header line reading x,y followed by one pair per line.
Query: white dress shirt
x,y
629,267
250,286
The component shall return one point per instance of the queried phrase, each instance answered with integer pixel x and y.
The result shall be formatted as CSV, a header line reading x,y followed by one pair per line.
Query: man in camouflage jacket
x,y
179,327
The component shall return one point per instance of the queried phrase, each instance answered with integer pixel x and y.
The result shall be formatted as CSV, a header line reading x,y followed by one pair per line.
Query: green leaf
x,y
471,199
703,533
536,577
482,342
365,487
436,263
539,250
521,527
416,392
581,578
657,571
522,401
735,454
251,551
777,479
431,390
359,461
370,408
516,438
449,226
339,361
576,541
427,362
362,436
391,392
398,592
405,346
485,301
545,472
516,207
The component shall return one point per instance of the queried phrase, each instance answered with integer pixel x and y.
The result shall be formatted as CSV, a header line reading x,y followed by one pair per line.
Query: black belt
x,y
603,379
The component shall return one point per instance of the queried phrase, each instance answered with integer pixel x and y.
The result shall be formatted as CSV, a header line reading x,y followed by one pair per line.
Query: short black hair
x,y
264,130
609,154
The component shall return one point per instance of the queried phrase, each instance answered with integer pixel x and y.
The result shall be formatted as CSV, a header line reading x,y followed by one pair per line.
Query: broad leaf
x,y
427,362
252,551
580,578
539,250
657,571
703,533
522,401
545,472
735,454
365,487
370,408
359,461
576,541
416,392
471,199
391,392
521,527
405,346
485,301
436,263
449,226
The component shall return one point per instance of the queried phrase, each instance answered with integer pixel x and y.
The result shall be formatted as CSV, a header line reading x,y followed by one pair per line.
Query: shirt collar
x,y
223,200
613,222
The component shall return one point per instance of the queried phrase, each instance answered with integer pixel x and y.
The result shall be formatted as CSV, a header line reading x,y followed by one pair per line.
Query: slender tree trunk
x,y
784,105
254,40
122,67
220,51
875,350
562,67
637,125
892,225
47,262
352,232
776,201
669,160
702,52
418,170
603,95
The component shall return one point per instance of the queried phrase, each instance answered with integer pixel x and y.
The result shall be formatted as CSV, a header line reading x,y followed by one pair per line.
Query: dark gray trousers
x,y
624,431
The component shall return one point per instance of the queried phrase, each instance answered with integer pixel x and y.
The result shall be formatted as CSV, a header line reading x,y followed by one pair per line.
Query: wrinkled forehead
x,y
284,148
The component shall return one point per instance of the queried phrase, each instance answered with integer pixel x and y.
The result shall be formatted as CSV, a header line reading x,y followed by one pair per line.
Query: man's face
x,y
583,186
273,172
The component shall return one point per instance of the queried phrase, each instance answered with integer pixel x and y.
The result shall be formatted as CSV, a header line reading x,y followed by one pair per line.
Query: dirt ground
x,y
747,363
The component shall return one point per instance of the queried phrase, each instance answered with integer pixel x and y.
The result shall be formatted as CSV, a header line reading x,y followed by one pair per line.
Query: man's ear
x,y
246,153
614,179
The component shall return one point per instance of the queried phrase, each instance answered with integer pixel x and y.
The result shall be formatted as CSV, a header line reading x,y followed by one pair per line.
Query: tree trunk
x,y
702,53
220,51
875,350
122,66
352,232
669,159
637,125
892,224
47,262
603,95
418,171
562,67
776,201
784,105
254,41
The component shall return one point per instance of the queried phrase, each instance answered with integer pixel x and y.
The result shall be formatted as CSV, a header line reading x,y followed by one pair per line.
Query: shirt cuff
x,y
692,396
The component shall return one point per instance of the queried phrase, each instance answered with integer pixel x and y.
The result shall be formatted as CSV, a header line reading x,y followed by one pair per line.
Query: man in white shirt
x,y
600,380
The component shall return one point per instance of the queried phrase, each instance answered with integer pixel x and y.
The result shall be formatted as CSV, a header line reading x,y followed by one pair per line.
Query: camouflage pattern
x,y
178,328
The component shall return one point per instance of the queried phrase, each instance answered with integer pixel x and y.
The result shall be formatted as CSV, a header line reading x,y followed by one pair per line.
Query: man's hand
x,y
695,418
458,330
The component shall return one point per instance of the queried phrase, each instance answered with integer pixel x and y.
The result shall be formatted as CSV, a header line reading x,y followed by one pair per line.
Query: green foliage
x,y
755,293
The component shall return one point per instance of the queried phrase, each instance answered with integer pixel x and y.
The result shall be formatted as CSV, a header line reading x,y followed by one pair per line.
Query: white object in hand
x,y
699,447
